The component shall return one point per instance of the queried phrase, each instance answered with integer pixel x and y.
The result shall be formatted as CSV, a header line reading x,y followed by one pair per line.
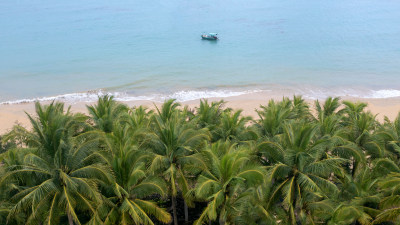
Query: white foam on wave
x,y
92,96
322,93
189,95
386,93
183,96
357,93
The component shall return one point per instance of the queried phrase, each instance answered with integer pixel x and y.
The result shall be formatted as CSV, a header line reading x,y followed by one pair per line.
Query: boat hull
x,y
211,38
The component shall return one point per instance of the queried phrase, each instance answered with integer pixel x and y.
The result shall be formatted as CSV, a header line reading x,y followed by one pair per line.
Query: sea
x,y
152,50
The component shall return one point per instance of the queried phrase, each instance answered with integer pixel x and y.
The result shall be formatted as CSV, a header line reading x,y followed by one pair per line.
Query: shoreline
x,y
190,94
11,114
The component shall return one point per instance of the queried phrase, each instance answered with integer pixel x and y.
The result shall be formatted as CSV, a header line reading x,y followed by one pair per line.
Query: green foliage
x,y
228,173
6,145
126,195
59,176
106,112
335,164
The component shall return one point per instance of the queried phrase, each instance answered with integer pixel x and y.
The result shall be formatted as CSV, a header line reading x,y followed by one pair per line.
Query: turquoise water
x,y
147,48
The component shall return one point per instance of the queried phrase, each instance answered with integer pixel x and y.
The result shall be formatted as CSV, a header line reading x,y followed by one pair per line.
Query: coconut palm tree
x,y
138,118
126,196
300,168
106,112
233,127
11,160
389,134
340,166
253,207
228,172
391,202
138,121
209,116
6,144
357,200
329,108
171,140
273,116
301,109
359,127
66,172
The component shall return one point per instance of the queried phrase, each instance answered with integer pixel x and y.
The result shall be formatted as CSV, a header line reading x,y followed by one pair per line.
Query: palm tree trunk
x,y
70,221
186,212
173,198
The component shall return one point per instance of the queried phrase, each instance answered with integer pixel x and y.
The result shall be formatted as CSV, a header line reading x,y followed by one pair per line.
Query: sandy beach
x,y
16,113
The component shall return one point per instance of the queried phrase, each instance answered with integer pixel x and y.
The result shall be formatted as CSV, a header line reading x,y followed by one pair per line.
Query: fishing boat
x,y
210,36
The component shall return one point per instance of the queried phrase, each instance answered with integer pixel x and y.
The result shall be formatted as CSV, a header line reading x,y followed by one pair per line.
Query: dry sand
x,y
16,113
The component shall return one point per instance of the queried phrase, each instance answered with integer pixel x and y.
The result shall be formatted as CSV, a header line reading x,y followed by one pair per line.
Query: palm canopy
x,y
389,134
138,121
329,118
227,173
67,172
233,127
301,168
13,159
357,200
253,207
340,166
329,107
273,116
126,195
391,202
358,123
172,139
106,112
209,116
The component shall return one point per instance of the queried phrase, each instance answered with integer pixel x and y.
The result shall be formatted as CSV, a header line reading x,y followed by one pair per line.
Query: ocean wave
x,y
189,95
357,93
183,96
386,93
92,96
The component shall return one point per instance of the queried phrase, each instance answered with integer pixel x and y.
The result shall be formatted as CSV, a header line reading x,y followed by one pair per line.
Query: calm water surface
x,y
143,47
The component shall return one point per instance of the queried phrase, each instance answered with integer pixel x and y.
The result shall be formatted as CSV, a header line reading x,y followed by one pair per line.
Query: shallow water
x,y
153,48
